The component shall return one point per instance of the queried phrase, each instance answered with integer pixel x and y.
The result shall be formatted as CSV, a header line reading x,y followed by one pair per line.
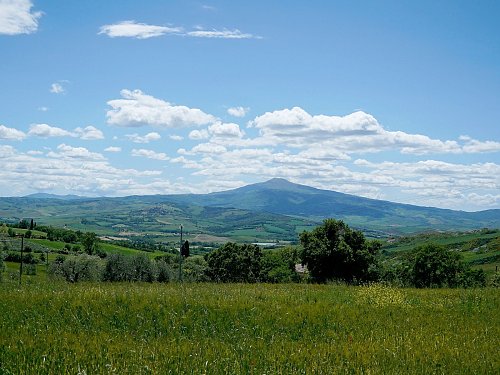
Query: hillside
x,y
276,210
280,196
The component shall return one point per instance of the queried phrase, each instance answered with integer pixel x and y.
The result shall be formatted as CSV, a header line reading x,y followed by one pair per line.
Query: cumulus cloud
x,y
66,151
89,133
113,149
16,17
198,134
137,109
175,137
226,130
150,154
238,111
48,131
11,133
133,29
136,138
357,132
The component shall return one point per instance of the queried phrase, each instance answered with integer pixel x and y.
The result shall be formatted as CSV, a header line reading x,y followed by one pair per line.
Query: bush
x,y
194,269
470,278
77,268
132,268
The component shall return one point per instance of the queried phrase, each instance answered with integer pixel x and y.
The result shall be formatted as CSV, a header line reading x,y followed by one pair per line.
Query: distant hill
x,y
283,197
276,210
53,196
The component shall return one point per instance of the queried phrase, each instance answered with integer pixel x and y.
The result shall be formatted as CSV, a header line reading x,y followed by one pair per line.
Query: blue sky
x,y
395,100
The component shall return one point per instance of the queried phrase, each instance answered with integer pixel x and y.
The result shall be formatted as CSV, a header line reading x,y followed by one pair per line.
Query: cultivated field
x,y
59,328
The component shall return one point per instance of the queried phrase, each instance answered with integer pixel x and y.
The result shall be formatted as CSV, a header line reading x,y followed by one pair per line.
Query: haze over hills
x,y
273,210
283,197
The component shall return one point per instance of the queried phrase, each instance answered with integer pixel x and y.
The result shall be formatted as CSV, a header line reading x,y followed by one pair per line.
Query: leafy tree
x,y
118,268
2,267
278,266
143,268
129,268
77,268
11,232
195,269
90,242
433,265
27,234
234,263
333,251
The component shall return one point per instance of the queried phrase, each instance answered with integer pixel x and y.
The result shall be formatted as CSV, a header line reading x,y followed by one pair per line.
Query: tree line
x,y
332,252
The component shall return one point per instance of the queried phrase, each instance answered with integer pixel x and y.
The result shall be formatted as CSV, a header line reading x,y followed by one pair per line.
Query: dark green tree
x,y
90,242
234,263
333,251
278,265
432,265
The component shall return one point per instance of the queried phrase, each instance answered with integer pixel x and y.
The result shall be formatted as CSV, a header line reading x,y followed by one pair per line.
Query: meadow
x,y
100,328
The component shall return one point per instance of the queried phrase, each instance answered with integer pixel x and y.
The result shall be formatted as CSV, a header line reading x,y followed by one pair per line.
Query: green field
x,y
59,328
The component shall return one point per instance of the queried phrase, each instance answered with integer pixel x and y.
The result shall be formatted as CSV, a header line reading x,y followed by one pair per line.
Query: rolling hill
x,y
276,210
280,196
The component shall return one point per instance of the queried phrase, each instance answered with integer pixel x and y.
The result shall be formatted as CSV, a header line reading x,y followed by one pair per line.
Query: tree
x,y
90,242
333,251
278,265
234,263
433,265
185,249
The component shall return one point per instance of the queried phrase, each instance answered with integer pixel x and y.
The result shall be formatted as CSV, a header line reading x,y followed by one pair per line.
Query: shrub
x,y
77,268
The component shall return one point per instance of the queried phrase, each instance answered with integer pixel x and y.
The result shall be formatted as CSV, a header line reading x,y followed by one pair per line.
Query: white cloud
x,y
11,133
226,130
6,151
89,133
136,138
138,109
358,132
198,134
150,154
175,137
16,17
222,34
133,29
238,111
34,152
66,151
43,109
113,149
57,88
47,131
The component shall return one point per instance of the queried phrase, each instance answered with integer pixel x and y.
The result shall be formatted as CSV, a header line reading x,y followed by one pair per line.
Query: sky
x,y
394,100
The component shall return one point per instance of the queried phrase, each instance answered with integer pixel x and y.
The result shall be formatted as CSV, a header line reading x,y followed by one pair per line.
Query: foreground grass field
x,y
58,328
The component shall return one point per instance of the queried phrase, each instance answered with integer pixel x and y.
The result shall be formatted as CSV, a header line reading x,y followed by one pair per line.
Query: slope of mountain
x,y
283,197
268,211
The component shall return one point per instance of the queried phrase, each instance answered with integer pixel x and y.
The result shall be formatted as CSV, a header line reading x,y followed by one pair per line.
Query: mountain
x,y
280,196
53,196
262,212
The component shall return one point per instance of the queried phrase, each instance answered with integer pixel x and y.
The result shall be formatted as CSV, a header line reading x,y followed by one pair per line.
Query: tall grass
x,y
57,328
